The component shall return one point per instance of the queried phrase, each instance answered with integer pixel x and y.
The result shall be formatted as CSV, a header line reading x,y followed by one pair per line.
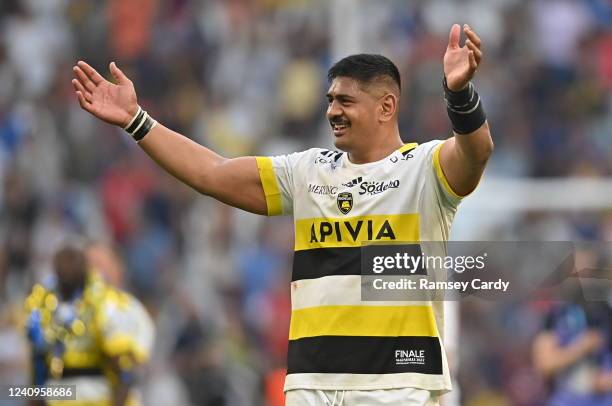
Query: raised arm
x,y
550,358
232,181
463,157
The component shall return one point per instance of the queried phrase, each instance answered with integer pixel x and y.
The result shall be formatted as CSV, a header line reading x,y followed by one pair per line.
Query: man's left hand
x,y
461,62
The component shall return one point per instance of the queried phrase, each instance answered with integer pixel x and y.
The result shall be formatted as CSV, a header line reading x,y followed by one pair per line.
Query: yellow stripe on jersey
x,y
81,359
406,147
270,186
374,321
353,231
440,173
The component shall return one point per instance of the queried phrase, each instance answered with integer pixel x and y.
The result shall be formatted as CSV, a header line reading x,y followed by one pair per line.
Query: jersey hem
x,y
439,383
433,388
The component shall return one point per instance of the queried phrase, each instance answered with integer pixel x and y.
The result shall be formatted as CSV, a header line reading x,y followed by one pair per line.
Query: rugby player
x,y
86,333
342,350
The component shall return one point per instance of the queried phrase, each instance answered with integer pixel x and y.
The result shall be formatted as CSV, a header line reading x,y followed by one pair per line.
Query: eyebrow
x,y
340,97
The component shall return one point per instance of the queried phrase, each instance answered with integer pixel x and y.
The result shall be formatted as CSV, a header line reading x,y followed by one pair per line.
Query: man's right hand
x,y
114,103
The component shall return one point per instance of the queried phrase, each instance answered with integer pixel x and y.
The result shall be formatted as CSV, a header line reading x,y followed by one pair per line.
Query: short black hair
x,y
365,68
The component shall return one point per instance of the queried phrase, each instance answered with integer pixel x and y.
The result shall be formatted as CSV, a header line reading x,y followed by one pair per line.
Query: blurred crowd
x,y
248,77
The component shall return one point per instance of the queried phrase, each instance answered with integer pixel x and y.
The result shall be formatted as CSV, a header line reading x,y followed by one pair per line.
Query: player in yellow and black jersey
x,y
86,333
342,350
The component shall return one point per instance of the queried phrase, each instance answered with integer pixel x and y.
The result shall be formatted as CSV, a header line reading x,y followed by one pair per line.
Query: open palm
x,y
460,63
114,103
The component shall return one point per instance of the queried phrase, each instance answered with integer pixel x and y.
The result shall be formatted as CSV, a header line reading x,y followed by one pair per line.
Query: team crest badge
x,y
345,202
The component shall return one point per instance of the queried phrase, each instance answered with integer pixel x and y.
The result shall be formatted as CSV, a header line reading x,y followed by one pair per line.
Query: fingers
x,y
85,105
473,43
118,74
91,73
473,63
83,96
454,36
78,87
83,79
475,50
472,36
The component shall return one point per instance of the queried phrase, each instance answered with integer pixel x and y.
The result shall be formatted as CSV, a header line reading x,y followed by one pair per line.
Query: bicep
x,y
237,182
463,159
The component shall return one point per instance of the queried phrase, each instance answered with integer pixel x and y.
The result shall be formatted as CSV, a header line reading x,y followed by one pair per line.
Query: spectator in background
x,y
199,363
83,332
107,263
14,353
574,351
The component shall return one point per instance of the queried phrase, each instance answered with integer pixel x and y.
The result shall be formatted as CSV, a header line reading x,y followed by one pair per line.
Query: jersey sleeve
x,y
435,174
125,327
277,174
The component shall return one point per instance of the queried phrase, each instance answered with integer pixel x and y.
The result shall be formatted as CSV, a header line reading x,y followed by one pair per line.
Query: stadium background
x,y
248,77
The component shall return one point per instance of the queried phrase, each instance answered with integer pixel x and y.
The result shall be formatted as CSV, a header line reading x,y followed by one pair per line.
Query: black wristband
x,y
140,125
131,127
464,109
144,128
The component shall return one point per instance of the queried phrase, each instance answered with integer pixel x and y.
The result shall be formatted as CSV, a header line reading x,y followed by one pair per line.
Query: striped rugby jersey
x,y
336,340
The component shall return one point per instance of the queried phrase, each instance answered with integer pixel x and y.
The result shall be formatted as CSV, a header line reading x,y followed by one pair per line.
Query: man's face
x,y
352,113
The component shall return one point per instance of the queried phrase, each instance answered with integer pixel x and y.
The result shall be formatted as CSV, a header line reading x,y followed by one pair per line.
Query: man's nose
x,y
333,110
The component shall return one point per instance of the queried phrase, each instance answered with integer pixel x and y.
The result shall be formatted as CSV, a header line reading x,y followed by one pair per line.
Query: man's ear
x,y
388,107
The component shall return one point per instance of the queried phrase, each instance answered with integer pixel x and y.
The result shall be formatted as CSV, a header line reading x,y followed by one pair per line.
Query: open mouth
x,y
339,128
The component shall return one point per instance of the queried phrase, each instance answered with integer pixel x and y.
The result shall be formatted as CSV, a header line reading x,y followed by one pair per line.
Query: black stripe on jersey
x,y
320,262
338,155
365,355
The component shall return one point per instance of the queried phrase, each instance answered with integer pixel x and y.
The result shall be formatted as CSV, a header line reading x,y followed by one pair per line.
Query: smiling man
x,y
359,84
342,350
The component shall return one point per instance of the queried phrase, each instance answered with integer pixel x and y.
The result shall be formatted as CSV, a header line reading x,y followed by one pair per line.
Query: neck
x,y
376,151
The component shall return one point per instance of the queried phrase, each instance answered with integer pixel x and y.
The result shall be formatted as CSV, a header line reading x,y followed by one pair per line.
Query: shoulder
x,y
320,154
414,154
427,155
428,148
323,156
36,298
310,158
